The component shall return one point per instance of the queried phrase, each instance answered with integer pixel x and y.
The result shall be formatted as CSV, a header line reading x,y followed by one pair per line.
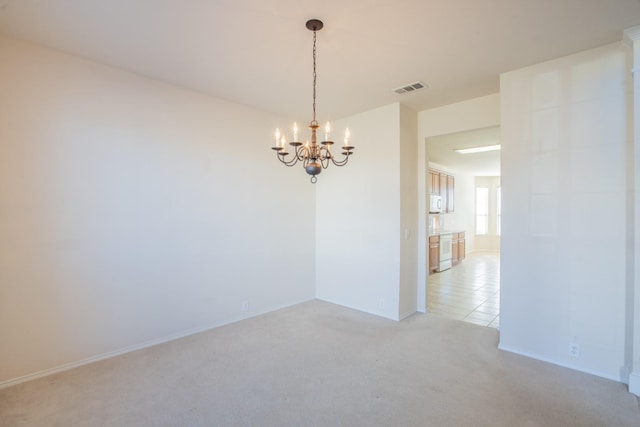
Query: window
x,y
482,211
498,210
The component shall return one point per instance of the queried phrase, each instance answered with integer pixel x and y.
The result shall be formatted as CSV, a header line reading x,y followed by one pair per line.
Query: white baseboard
x,y
634,383
375,313
407,314
560,363
140,346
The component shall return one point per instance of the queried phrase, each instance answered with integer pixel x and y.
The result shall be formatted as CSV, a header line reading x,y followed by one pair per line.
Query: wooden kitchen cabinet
x,y
434,182
443,191
443,185
455,248
462,247
458,248
434,253
451,183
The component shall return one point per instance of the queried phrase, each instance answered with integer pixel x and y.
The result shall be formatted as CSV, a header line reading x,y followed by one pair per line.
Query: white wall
x,y
132,212
632,39
359,220
408,291
565,134
475,113
463,218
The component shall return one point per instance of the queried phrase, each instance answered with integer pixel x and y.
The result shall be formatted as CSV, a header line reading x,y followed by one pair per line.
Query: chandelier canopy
x,y
314,156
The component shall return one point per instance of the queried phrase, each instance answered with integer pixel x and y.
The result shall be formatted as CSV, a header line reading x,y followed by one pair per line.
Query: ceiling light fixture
x,y
478,149
314,157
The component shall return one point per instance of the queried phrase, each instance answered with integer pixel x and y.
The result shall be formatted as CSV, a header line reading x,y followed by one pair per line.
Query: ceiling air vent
x,y
410,88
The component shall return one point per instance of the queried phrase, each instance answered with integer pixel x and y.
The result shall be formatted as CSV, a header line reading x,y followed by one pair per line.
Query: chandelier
x,y
313,157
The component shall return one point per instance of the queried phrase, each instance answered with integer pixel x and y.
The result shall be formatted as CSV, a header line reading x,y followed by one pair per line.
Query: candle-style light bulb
x,y
283,141
327,131
295,131
277,136
347,134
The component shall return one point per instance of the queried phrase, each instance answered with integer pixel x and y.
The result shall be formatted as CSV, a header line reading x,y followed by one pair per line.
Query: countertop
x,y
445,231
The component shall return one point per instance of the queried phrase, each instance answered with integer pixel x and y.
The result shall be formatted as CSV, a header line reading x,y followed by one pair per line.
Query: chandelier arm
x,y
324,157
340,162
299,155
302,152
324,162
306,156
288,163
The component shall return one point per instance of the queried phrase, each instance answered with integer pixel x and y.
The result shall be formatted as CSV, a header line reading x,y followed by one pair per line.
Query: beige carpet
x,y
318,364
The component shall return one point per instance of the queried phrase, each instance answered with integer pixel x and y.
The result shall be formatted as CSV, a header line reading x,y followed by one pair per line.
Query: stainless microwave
x,y
435,203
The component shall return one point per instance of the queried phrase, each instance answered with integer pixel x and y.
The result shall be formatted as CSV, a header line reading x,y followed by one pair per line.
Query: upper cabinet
x,y
451,184
443,185
434,182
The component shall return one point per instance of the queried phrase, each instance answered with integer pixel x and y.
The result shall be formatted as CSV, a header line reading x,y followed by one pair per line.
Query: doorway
x,y
470,290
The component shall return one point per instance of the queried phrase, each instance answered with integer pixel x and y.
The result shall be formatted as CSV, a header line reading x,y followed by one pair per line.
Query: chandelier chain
x,y
314,78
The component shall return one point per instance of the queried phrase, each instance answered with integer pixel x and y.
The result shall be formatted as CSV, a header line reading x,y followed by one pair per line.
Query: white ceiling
x,y
440,150
258,52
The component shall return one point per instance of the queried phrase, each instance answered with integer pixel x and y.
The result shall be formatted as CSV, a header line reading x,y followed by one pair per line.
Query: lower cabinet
x,y
455,248
458,248
434,253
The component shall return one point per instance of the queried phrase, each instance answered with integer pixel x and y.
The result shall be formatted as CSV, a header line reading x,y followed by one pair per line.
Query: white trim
x,y
145,344
634,383
378,313
407,314
564,365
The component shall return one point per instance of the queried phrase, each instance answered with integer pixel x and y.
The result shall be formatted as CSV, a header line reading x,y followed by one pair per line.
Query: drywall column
x,y
632,38
408,292
563,265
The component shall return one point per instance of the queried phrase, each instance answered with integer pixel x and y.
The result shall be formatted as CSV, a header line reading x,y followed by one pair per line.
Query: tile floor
x,y
469,291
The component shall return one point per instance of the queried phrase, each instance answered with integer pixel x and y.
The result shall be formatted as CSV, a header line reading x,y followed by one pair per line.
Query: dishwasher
x,y
445,252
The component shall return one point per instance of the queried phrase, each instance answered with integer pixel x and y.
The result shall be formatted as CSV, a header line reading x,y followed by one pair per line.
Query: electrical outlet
x,y
245,306
574,349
